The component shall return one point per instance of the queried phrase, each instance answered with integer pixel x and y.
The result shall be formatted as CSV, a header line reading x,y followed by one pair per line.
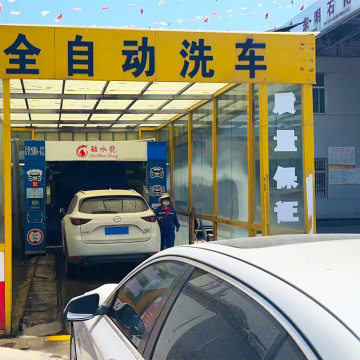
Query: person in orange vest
x,y
168,221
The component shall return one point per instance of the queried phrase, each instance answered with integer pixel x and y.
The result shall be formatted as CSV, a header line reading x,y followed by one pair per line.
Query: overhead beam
x,y
109,96
99,111
98,123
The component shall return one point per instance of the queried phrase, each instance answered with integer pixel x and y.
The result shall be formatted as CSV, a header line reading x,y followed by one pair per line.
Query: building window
x,y
321,183
319,94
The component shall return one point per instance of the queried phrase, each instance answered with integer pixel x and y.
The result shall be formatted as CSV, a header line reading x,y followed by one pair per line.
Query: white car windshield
x,y
113,205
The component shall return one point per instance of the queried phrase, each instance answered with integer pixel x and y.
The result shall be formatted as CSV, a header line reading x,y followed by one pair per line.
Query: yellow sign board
x,y
148,55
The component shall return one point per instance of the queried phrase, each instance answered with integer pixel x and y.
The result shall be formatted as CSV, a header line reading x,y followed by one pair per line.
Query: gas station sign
x,y
35,207
66,53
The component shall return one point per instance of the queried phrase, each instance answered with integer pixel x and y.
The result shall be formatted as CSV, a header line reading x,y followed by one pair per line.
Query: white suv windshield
x,y
113,205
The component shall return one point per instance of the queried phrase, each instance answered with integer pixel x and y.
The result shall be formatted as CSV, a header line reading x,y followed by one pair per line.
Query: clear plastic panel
x,y
202,178
181,167
225,232
232,157
286,159
183,236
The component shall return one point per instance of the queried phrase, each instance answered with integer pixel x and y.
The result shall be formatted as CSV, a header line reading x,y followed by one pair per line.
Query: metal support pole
x,y
190,150
264,159
308,158
172,160
7,205
214,165
250,150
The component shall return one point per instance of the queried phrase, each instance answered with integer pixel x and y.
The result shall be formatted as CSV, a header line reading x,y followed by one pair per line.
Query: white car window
x,y
211,319
113,205
147,292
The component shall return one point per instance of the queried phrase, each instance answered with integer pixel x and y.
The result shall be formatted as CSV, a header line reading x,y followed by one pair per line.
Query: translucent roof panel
x,y
166,88
17,104
150,125
133,117
181,104
19,116
44,117
147,104
114,104
67,117
162,116
15,86
78,104
84,87
43,86
204,88
100,117
44,103
125,87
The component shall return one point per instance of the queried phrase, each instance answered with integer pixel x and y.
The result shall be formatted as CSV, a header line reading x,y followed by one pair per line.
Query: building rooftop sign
x,y
65,53
324,15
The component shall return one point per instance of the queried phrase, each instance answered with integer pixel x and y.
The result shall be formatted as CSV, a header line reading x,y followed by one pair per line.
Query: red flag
x,y
302,7
142,10
266,15
59,17
105,8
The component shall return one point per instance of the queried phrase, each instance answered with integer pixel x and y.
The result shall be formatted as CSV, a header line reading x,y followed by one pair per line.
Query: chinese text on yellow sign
x,y
146,55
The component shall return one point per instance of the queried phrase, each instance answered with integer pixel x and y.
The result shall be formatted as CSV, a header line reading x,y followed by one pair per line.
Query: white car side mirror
x,y
82,308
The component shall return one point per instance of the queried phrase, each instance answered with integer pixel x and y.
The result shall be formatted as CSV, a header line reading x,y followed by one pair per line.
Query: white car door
x,y
97,339
108,337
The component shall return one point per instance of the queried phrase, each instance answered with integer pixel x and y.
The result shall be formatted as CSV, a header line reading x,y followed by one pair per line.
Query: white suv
x,y
108,226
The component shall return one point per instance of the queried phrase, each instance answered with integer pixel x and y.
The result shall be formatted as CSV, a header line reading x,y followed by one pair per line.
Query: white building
x,y
336,104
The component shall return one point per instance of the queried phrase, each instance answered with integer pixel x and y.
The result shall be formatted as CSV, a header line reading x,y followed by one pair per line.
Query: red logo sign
x,y
82,151
35,237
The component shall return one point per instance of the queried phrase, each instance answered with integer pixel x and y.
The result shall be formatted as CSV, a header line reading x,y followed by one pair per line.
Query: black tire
x,y
73,355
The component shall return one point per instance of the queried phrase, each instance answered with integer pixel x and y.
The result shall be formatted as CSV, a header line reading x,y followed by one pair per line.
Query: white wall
x,y
339,127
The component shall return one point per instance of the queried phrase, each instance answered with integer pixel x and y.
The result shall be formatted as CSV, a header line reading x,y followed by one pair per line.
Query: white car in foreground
x,y
108,226
280,298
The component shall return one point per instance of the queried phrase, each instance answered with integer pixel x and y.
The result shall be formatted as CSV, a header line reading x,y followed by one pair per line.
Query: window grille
x,y
321,181
319,94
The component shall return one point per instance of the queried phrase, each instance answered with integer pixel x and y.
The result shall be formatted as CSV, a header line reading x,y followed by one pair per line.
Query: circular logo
x,y
117,219
35,237
82,151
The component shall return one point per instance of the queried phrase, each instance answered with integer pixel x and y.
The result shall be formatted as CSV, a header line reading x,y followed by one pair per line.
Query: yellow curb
x,y
58,338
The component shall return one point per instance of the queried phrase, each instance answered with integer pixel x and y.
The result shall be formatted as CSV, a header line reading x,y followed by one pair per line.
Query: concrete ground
x,y
34,348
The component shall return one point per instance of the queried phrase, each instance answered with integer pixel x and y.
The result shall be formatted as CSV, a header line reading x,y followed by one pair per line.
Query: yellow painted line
x,y
58,338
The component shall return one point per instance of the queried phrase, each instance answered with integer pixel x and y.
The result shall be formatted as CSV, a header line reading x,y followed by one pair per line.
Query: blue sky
x,y
245,15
